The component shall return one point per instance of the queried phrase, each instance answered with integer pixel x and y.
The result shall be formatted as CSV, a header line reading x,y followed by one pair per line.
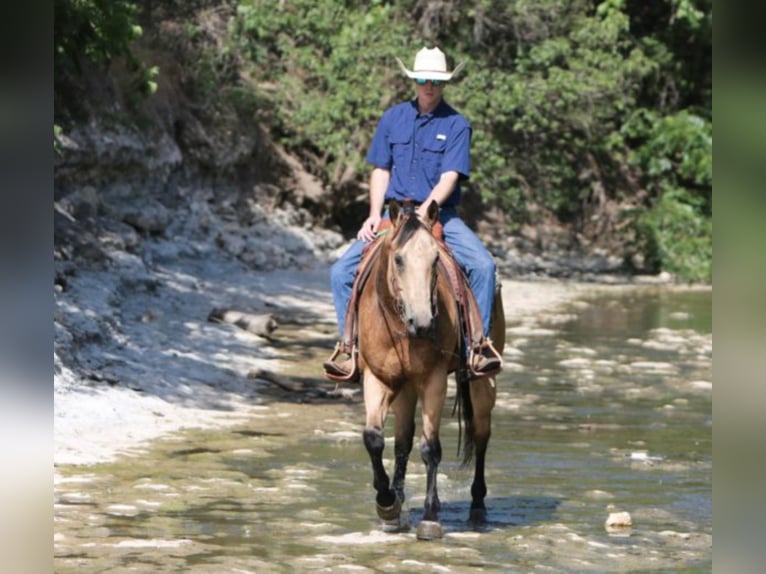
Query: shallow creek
x,y
606,407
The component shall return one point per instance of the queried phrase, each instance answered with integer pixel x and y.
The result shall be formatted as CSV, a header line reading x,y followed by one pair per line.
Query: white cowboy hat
x,y
430,65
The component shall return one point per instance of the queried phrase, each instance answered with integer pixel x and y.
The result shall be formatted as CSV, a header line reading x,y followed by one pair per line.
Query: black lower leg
x,y
402,449
373,441
431,452
478,491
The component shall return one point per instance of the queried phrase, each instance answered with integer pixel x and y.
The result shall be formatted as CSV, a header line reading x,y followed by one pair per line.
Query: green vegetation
x,y
597,115
91,34
96,30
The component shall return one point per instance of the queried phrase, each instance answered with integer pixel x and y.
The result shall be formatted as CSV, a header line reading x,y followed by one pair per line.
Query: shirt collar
x,y
434,112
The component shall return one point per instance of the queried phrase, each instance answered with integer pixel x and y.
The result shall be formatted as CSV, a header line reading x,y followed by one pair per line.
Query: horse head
x,y
412,268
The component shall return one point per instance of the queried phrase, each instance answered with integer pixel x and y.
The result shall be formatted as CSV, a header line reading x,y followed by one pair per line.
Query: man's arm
x,y
379,179
441,191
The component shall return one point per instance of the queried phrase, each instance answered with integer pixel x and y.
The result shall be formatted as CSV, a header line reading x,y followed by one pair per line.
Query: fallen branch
x,y
281,381
288,384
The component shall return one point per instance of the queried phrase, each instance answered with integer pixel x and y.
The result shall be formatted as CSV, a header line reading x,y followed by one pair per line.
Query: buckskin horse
x,y
409,341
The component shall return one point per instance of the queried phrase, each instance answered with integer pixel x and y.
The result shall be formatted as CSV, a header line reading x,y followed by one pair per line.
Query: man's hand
x,y
367,231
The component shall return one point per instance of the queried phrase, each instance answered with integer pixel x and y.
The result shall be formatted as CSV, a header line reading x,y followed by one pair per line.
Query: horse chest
x,y
405,361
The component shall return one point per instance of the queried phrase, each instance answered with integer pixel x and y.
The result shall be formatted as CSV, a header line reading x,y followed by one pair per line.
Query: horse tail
x,y
465,415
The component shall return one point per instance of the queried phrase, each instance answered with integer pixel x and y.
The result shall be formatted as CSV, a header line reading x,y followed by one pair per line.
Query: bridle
x,y
393,287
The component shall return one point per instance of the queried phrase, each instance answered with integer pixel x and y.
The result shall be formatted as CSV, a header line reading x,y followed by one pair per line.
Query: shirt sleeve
x,y
457,156
379,154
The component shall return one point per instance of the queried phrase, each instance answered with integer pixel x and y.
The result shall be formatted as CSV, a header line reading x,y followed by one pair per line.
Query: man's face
x,y
429,92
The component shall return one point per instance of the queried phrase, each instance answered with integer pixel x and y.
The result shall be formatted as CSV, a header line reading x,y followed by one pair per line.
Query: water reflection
x,y
607,407
633,313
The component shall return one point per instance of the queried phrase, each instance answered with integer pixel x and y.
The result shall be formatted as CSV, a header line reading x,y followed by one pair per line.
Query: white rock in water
x,y
618,520
701,385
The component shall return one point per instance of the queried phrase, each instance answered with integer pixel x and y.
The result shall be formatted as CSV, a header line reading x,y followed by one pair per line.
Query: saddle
x,y
470,330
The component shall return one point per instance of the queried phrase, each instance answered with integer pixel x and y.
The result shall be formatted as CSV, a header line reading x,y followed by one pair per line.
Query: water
x,y
605,408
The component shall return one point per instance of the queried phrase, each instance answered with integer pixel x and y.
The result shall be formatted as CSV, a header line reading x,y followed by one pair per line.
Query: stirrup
x,y
332,372
478,348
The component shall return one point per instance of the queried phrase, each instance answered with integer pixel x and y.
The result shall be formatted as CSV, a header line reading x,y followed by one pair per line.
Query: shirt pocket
x,y
401,147
433,154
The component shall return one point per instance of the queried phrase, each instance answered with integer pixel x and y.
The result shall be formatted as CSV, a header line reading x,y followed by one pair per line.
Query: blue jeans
x,y
466,247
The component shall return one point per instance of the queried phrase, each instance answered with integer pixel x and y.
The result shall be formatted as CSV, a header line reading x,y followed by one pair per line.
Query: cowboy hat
x,y
430,65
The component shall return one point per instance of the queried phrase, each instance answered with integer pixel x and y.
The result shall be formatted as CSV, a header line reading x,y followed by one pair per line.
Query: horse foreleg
x,y
483,393
432,398
404,410
377,400
387,503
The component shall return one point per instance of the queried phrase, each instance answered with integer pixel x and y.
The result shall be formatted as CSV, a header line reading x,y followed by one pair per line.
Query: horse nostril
x,y
424,331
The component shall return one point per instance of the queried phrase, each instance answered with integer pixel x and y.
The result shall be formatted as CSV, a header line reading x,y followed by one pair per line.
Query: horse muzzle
x,y
423,329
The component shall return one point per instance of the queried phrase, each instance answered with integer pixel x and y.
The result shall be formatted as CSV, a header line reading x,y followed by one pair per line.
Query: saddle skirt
x,y
469,325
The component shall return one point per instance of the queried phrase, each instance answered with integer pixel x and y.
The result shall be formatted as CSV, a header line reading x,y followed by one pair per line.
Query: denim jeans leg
x,y
342,276
473,257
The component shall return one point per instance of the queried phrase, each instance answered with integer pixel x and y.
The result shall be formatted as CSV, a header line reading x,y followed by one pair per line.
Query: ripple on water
x,y
371,537
576,427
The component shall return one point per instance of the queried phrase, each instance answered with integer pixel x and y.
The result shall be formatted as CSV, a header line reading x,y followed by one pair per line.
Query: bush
x,y
90,34
680,236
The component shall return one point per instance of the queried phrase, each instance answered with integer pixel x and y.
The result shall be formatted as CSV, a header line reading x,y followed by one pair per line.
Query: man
x,y
420,152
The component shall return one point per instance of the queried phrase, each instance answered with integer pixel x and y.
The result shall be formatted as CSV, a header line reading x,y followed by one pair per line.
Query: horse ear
x,y
432,212
393,211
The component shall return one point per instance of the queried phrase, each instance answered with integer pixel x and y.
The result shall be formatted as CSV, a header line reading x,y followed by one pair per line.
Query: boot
x,y
342,366
484,360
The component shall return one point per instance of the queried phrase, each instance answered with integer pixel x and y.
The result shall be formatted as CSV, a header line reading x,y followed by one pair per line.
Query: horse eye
x,y
399,260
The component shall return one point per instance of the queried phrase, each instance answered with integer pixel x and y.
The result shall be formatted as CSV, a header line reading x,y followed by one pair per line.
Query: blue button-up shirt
x,y
417,149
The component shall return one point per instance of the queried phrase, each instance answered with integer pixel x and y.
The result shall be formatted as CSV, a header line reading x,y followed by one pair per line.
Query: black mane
x,y
409,227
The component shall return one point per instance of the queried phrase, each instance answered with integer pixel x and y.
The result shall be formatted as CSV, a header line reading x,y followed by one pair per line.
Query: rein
x,y
389,293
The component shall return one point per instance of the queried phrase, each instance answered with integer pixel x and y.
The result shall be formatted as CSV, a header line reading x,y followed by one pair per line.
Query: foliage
x,y
597,114
329,65
676,155
680,237
94,33
97,30
560,105
677,147
574,105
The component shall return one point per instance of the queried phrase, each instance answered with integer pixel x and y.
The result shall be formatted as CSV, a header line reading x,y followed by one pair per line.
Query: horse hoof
x,y
429,530
398,524
389,513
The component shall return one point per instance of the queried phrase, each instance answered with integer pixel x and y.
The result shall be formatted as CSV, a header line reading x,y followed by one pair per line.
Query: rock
x,y
145,214
618,520
82,203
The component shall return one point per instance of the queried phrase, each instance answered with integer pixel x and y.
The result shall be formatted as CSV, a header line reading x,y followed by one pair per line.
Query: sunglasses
x,y
422,82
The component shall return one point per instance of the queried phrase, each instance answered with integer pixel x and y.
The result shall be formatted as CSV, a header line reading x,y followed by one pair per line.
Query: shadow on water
x,y
254,433
503,513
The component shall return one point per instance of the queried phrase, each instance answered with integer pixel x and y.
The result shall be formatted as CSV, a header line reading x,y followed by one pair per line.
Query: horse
x,y
408,344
